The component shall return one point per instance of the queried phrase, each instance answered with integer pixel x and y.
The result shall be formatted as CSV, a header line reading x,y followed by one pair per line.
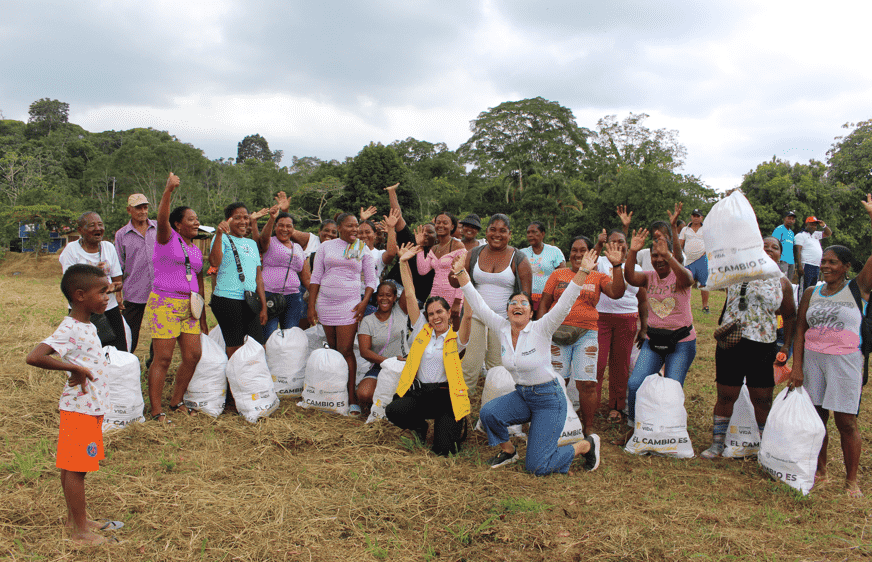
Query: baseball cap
x,y
696,212
790,214
136,200
812,219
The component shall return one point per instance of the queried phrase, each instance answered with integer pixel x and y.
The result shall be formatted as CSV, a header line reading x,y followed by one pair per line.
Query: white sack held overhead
x,y
792,440
286,354
572,428
326,385
385,387
207,391
499,382
125,390
743,436
733,244
250,382
216,336
661,420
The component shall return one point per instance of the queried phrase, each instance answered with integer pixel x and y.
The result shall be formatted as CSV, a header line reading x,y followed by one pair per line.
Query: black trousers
x,y
421,404
133,313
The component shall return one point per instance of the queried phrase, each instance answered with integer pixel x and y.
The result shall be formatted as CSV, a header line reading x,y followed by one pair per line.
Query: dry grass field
x,y
304,485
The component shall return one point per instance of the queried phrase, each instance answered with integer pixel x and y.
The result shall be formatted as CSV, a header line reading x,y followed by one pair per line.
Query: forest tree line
x,y
529,159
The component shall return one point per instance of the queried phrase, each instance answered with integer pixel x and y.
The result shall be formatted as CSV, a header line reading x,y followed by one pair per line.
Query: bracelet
x,y
586,271
456,273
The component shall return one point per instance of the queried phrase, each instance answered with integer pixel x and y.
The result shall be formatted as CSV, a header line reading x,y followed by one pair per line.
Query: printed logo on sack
x,y
91,450
638,425
734,429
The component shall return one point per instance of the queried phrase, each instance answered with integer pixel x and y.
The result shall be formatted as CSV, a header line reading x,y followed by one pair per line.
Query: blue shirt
x,y
227,283
785,236
543,265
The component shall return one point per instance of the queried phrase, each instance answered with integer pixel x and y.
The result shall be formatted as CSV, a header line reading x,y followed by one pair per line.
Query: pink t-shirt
x,y
667,308
170,271
281,267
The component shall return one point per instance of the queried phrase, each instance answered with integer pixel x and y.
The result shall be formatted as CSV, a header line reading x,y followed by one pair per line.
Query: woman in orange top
x,y
574,345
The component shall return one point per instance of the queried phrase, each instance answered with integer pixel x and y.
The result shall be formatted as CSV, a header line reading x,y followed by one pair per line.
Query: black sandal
x,y
161,418
179,405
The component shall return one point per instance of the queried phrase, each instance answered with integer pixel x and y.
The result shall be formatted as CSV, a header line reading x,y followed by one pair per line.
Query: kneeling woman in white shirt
x,y
432,385
538,397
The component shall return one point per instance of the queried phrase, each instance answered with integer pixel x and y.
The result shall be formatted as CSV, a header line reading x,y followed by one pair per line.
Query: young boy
x,y
86,395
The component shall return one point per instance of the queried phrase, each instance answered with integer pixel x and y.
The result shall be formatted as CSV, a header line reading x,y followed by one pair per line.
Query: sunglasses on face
x,y
525,304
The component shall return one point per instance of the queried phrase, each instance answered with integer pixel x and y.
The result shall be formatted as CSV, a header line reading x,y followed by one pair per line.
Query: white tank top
x,y
495,288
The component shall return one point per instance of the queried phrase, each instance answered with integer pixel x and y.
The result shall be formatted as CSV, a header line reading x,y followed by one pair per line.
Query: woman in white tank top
x,y
497,270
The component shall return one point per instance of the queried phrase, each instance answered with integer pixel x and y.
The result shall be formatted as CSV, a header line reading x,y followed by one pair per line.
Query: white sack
x,y
128,335
250,382
207,390
499,382
286,354
792,440
572,429
733,244
125,390
326,385
385,387
317,338
216,336
661,420
743,435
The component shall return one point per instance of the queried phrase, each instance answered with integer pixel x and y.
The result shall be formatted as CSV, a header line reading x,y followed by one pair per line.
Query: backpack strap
x,y
473,259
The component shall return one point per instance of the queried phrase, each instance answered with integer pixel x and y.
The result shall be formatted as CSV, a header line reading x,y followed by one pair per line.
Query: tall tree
x,y
255,147
374,168
850,157
46,114
507,138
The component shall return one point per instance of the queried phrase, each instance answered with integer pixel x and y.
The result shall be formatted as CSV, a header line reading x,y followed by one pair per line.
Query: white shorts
x,y
577,360
834,382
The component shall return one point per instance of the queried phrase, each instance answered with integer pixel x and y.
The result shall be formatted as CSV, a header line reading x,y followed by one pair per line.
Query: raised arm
x,y
632,276
391,248
864,279
616,288
626,218
395,204
406,253
216,254
164,228
266,233
673,220
683,277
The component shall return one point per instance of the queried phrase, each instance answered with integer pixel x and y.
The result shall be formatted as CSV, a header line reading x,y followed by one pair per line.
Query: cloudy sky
x,y
741,81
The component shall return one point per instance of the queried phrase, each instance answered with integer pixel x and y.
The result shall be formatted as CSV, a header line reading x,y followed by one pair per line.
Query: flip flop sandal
x,y
161,418
179,405
106,525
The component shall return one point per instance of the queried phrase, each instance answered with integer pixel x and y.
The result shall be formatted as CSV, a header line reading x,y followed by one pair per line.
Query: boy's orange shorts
x,y
80,442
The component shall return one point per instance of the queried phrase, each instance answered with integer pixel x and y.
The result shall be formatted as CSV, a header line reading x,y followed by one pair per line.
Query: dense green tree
x,y
47,114
507,138
255,147
850,157
374,168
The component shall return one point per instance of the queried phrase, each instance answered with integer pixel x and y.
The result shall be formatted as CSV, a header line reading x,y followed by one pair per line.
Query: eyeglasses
x,y
525,304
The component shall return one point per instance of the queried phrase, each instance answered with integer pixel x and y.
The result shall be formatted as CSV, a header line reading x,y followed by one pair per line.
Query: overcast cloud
x,y
741,81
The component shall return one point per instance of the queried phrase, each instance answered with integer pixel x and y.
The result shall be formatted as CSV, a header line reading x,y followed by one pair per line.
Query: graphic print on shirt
x,y
825,318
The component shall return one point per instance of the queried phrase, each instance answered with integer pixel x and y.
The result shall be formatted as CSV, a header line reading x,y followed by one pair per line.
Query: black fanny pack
x,y
662,341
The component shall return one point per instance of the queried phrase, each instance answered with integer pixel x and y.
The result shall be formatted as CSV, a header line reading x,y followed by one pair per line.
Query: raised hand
x,y
261,213
223,227
408,250
274,211
673,217
624,216
638,240
392,187
173,182
458,262
603,237
366,213
589,260
381,226
867,204
283,202
662,248
613,253
420,235
393,218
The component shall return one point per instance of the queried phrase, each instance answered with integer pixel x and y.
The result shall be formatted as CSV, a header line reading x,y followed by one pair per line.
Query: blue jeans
x,y
290,318
544,406
809,279
649,363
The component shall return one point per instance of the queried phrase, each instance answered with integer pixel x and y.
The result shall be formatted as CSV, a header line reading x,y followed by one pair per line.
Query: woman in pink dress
x,y
334,293
439,258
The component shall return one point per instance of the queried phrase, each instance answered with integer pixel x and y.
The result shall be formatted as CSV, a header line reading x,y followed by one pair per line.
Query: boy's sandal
x,y
161,418
107,525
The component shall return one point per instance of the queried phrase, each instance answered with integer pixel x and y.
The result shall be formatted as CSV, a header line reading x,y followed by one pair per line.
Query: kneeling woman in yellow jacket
x,y
431,386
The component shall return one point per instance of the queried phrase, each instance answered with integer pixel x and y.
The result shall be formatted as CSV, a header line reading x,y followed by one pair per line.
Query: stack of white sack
x,y
125,390
733,244
207,391
251,382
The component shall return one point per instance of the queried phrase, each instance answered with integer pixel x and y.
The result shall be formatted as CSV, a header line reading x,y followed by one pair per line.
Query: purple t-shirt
x,y
169,268
281,267
135,254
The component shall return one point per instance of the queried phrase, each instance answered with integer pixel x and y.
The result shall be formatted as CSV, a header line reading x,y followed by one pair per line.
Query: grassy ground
x,y
303,485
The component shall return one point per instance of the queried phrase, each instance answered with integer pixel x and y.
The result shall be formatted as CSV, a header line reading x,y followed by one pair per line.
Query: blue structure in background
x,y
55,243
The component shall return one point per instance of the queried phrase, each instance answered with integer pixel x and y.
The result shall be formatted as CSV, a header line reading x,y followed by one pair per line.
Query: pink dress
x,y
442,266
339,279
